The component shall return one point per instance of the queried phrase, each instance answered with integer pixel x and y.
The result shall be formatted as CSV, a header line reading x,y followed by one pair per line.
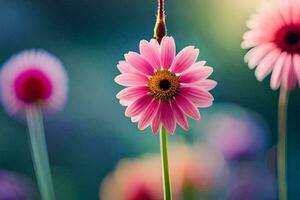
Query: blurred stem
x,y
160,29
39,151
282,143
165,164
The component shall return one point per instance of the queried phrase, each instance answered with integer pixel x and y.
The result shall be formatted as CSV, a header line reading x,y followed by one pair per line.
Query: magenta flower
x,y
164,88
274,37
30,82
30,77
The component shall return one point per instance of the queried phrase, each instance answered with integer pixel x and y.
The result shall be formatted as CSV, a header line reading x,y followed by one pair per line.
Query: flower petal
x,y
276,77
168,51
254,56
179,115
266,65
296,61
156,122
132,93
131,80
200,97
207,84
288,78
139,63
150,53
187,107
185,58
167,117
148,115
196,74
124,68
138,106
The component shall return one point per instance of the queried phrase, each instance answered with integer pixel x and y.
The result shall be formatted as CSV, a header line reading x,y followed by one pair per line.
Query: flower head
x,y
240,133
15,187
162,87
30,77
274,37
199,167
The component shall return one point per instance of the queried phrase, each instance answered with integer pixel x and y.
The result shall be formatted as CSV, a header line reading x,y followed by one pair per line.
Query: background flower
x,y
15,187
197,168
274,37
33,76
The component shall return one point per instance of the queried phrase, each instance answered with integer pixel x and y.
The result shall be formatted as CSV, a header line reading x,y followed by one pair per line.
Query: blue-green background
x,y
91,134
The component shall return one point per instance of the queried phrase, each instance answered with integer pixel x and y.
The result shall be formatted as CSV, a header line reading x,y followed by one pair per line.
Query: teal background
x,y
89,137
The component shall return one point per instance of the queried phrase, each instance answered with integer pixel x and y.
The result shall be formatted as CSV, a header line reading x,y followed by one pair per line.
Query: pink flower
x,y
274,37
30,77
199,167
164,88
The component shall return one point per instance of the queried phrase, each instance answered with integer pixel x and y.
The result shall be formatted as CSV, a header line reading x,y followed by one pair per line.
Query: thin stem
x,y
165,164
160,29
39,152
161,9
282,144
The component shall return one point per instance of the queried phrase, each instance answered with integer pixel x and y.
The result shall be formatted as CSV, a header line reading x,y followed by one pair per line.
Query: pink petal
x,y
185,58
198,65
150,53
132,93
254,56
288,78
179,115
155,44
277,72
125,68
207,84
138,106
167,116
131,80
156,122
200,97
139,63
187,107
266,65
195,75
148,115
296,61
168,51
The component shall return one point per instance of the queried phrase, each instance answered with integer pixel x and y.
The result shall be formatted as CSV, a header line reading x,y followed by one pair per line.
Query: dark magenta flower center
x,y
165,84
32,86
142,193
288,38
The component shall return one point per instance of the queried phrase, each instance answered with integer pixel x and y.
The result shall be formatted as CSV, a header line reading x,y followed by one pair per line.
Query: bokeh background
x,y
91,135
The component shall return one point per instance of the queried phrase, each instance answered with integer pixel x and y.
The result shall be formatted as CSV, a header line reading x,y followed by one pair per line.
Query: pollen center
x,y
288,38
163,85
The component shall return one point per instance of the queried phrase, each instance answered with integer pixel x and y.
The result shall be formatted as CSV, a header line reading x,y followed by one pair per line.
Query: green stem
x,y
39,152
165,164
282,144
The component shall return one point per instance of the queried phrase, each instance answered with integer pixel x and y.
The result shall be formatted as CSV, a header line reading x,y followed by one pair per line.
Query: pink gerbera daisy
x,y
164,88
274,37
31,77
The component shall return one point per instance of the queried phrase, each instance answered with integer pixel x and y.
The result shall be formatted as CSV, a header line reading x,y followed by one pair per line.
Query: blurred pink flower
x,y
140,179
162,89
274,37
33,76
240,133
15,187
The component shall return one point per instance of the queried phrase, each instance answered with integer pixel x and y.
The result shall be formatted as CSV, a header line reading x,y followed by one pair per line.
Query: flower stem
x,y
282,141
160,29
165,164
39,151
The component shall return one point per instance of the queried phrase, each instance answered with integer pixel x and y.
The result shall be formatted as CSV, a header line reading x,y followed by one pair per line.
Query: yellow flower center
x,y
163,85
